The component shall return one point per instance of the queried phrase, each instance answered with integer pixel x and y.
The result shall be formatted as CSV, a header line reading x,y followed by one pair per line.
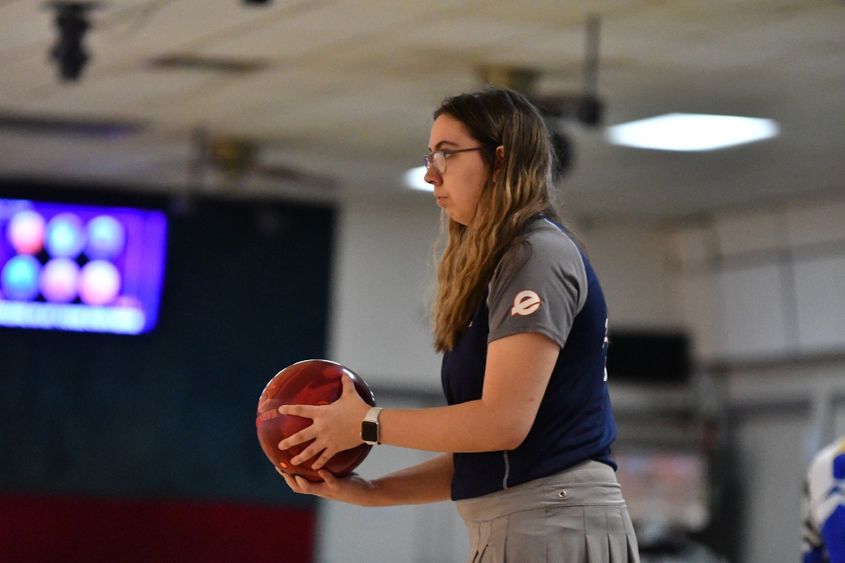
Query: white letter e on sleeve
x,y
525,303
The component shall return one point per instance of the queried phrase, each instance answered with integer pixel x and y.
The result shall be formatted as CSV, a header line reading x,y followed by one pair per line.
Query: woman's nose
x,y
431,176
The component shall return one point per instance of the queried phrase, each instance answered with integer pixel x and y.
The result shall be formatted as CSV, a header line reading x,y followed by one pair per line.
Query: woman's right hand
x,y
352,489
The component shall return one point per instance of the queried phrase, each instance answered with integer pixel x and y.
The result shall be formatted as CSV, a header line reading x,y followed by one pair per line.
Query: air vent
x,y
69,126
208,64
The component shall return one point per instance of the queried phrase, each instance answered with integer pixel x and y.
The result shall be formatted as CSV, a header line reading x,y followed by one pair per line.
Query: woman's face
x,y
458,189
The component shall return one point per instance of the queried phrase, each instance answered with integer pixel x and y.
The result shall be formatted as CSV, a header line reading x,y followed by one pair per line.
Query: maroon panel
x,y
65,529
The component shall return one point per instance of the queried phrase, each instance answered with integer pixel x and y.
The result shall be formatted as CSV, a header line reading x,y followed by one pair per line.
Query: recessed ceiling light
x,y
691,132
414,179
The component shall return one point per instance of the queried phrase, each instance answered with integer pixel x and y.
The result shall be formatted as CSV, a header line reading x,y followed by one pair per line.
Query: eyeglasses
x,y
438,158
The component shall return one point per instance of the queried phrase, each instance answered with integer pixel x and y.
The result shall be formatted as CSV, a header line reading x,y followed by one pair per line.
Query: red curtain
x,y
67,529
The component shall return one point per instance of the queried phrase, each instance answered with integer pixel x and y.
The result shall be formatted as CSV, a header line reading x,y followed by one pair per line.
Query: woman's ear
x,y
500,158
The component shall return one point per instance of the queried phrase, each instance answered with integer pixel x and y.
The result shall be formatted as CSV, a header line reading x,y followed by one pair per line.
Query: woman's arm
x,y
429,481
517,371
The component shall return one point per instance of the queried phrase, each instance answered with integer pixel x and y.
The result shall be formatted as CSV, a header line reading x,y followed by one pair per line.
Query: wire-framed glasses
x,y
437,159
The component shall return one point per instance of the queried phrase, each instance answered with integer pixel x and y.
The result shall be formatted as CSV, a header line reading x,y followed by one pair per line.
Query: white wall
x,y
763,292
383,276
630,259
764,284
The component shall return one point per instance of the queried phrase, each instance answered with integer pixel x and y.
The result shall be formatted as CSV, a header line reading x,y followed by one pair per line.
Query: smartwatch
x,y
369,427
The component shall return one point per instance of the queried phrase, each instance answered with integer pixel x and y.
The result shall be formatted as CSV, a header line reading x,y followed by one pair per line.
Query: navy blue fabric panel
x,y
171,414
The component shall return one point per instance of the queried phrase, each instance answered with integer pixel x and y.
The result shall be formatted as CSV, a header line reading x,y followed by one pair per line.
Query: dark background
x,y
171,414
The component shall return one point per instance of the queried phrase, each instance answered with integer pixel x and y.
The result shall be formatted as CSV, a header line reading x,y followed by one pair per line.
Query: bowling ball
x,y
309,382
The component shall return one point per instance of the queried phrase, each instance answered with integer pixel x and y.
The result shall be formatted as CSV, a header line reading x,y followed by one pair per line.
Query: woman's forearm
x,y
515,378
429,481
468,427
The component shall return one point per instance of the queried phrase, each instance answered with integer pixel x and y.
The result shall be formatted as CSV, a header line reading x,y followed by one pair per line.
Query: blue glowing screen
x,y
81,268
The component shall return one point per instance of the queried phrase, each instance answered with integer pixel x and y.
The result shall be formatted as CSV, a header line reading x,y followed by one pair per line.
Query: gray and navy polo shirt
x,y
544,283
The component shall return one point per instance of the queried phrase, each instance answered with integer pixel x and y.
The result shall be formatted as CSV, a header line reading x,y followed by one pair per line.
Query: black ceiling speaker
x,y
585,106
71,19
582,106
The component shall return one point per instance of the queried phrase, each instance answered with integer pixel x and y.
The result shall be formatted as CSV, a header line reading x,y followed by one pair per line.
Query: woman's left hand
x,y
335,427
352,489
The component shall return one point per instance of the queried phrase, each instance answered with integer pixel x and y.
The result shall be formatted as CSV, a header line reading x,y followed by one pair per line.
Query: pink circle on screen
x,y
26,232
99,283
59,280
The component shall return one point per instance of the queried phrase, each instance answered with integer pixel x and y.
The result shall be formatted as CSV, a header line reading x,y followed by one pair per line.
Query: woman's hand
x,y
335,427
351,489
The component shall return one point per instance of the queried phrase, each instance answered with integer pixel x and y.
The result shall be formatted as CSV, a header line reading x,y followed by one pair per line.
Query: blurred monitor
x,y
81,268
665,486
649,356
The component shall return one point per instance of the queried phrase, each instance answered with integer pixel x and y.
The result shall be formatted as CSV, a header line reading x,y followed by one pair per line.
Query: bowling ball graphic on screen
x,y
309,382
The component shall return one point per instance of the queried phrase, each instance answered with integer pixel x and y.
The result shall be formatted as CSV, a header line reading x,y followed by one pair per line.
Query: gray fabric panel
x,y
548,264
577,515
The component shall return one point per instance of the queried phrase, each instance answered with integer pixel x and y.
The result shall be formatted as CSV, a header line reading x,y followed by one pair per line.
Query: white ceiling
x,y
345,89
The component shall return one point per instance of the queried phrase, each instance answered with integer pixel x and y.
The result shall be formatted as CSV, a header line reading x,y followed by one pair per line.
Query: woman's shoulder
x,y
542,243
546,238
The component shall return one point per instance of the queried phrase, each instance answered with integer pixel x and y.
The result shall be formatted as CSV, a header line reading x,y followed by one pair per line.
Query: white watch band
x,y
372,418
372,414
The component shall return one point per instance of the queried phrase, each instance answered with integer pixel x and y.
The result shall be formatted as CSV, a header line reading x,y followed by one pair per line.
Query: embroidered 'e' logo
x,y
525,303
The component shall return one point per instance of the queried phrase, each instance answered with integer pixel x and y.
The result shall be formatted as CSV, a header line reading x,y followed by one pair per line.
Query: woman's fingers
x,y
328,477
297,483
310,452
291,482
329,432
305,411
321,460
304,484
351,488
304,435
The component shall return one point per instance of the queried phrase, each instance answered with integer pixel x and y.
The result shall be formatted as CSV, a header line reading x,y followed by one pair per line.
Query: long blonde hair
x,y
519,191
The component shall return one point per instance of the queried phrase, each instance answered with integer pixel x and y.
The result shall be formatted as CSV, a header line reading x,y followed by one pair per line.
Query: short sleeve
x,y
539,286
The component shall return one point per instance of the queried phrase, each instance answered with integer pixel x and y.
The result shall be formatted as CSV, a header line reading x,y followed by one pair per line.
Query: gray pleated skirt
x,y
574,516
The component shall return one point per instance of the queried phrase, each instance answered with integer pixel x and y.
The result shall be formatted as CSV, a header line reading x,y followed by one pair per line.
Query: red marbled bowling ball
x,y
309,382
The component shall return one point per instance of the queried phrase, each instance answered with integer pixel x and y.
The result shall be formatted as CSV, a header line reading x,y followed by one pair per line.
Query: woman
x,y
521,320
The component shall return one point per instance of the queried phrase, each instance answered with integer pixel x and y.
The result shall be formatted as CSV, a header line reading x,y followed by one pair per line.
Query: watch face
x,y
369,431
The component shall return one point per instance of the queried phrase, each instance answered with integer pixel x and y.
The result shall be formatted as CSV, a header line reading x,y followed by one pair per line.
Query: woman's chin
x,y
457,220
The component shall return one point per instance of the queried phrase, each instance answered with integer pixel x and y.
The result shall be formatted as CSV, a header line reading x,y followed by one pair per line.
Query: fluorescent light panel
x,y
691,132
414,179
